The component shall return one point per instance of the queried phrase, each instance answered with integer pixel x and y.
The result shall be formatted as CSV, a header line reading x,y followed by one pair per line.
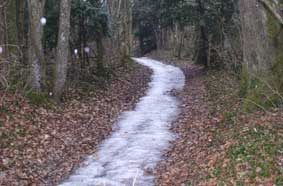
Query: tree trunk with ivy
x,y
35,47
121,24
202,45
20,23
262,35
62,48
3,26
100,54
2,23
262,40
3,42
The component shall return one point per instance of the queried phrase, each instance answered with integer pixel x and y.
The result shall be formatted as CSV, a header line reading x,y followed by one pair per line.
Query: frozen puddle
x,y
140,138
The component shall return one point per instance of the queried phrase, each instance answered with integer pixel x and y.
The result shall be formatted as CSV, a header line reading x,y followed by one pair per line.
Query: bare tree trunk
x,y
258,50
121,18
2,23
20,11
35,47
3,27
100,54
62,48
3,31
202,55
179,34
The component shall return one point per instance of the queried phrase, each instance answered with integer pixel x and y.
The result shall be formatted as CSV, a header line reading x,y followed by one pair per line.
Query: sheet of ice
x,y
141,136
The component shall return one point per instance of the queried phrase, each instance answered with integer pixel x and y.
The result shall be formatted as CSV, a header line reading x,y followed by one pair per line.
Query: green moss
x,y
273,27
244,81
256,149
216,172
260,96
126,60
253,99
251,90
279,181
229,119
263,94
12,28
277,72
275,33
37,98
4,109
240,183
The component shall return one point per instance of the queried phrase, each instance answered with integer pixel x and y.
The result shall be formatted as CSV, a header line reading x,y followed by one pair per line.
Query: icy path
x,y
140,137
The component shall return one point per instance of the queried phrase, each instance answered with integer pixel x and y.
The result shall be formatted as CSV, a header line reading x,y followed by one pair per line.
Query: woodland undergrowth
x,y
249,143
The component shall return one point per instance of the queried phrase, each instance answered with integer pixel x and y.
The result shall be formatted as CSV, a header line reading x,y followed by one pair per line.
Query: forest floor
x,y
42,145
218,142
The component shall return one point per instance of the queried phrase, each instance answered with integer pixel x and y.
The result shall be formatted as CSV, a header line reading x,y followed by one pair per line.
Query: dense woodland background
x,y
74,43
243,37
80,38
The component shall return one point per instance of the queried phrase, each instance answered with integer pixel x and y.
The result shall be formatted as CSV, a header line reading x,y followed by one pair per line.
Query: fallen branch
x,y
274,12
276,92
258,105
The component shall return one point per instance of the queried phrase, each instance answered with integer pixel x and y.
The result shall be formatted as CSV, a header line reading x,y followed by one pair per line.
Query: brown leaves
x,y
42,146
210,125
186,155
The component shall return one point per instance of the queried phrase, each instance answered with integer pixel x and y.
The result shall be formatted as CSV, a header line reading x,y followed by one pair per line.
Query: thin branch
x,y
268,5
256,104
269,86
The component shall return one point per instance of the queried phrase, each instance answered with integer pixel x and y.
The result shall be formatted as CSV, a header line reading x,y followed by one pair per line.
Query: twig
x,y
270,87
272,11
15,46
3,96
261,107
135,178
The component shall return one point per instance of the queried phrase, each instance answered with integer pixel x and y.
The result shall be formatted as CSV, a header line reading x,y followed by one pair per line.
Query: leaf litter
x,y
218,143
42,146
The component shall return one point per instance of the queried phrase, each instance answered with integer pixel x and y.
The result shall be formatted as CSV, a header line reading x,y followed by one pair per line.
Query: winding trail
x,y
140,135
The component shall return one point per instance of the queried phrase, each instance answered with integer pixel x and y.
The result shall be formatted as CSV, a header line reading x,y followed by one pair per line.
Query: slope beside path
x,y
41,146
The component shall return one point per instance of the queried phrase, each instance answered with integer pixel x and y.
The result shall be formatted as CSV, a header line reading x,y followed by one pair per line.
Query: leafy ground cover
x,y
41,144
218,143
